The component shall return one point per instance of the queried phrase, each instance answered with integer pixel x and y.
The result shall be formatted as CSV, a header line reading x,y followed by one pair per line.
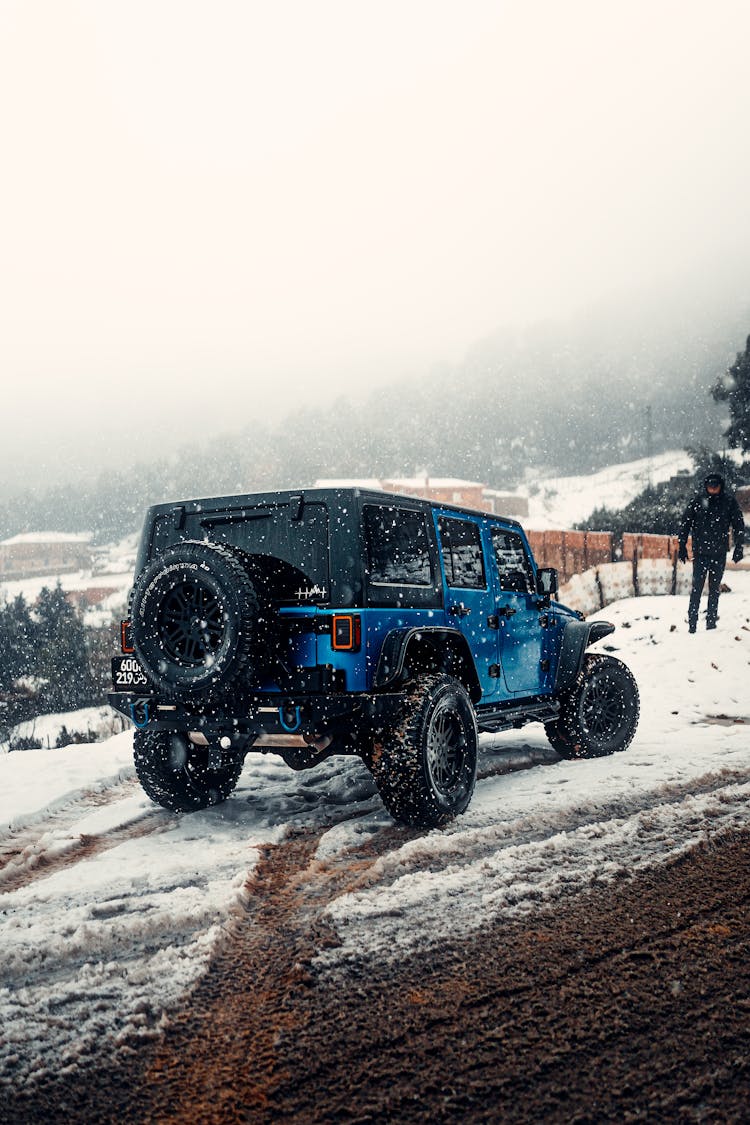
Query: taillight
x,y
126,637
346,632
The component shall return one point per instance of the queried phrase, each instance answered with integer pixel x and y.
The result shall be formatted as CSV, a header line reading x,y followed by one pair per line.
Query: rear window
x,y
295,536
397,547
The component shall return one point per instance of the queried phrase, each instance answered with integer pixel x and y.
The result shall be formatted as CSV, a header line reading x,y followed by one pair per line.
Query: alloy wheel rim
x,y
602,709
446,749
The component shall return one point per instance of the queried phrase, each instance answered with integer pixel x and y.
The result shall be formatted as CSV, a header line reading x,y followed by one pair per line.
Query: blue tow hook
x,y
139,714
290,728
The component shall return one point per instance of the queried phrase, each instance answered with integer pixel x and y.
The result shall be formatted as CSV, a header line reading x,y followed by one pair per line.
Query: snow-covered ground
x,y
99,722
110,907
562,502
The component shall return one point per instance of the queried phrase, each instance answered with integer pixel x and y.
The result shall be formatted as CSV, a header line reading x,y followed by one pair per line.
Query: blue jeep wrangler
x,y
345,621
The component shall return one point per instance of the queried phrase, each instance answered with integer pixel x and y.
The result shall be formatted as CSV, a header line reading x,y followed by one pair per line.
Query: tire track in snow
x,y
53,844
68,808
393,918
462,843
38,855
245,1007
619,1006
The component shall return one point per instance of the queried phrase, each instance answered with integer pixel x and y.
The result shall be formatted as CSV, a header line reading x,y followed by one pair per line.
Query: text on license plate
x,y
127,673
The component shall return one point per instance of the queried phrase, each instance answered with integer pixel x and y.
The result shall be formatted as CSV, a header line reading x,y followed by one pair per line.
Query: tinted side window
x,y
513,563
397,546
462,553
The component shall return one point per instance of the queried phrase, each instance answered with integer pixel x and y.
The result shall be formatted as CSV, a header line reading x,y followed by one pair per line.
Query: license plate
x,y
127,674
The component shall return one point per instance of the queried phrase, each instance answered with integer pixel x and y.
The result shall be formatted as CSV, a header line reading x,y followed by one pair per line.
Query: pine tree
x,y
62,657
17,642
734,389
17,660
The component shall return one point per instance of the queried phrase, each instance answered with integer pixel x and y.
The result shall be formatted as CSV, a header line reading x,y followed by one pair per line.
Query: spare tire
x,y
197,621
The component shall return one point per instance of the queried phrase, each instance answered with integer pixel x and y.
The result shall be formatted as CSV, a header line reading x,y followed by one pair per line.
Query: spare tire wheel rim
x,y
186,631
191,623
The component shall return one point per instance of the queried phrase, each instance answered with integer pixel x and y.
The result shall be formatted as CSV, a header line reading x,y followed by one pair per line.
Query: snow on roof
x,y
433,482
346,482
49,537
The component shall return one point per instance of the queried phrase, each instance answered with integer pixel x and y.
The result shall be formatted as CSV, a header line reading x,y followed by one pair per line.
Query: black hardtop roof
x,y
319,495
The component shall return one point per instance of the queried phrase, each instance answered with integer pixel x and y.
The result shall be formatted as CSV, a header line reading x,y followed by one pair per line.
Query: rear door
x,y
521,625
470,598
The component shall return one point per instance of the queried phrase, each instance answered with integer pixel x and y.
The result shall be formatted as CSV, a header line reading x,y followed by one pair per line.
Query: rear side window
x,y
462,553
513,566
397,547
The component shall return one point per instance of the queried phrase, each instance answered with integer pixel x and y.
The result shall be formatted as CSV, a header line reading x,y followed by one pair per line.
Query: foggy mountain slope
x,y
562,399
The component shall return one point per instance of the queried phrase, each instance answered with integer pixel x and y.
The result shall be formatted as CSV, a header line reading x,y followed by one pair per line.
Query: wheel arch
x,y
577,637
430,649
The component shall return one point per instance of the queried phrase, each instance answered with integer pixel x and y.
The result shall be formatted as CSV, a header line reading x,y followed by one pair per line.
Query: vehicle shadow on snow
x,y
342,787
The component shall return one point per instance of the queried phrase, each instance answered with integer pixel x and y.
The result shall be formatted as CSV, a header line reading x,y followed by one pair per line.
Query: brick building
x,y
39,552
444,490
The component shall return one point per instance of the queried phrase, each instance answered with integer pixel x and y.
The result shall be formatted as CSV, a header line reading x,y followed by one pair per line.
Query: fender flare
x,y
576,638
396,644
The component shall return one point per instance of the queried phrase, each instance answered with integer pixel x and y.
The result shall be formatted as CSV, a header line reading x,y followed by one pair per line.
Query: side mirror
x,y
546,581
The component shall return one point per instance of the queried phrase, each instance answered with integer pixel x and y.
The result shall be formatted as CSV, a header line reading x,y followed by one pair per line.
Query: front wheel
x,y
425,767
175,773
599,714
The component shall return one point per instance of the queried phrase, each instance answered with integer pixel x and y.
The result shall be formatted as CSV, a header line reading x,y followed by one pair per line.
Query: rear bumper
x,y
269,721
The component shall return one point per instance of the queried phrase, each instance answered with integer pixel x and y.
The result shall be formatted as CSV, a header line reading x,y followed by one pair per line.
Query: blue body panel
x,y
308,649
515,659
525,649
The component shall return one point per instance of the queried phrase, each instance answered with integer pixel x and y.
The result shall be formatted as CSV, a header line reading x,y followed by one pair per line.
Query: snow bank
x,y
566,501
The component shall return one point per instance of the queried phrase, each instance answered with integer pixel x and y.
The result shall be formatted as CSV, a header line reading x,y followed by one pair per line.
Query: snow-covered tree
x,y
62,659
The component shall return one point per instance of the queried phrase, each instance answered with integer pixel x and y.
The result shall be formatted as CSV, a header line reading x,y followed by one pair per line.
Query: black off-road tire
x,y
199,623
175,774
425,767
599,714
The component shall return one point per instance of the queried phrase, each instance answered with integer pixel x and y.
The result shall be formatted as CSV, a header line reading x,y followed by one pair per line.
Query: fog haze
x,y
213,213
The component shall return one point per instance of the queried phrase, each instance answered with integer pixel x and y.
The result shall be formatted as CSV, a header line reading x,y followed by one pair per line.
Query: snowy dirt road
x,y
294,952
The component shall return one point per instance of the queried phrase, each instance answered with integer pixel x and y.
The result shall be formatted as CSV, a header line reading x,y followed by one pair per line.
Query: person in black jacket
x,y
708,517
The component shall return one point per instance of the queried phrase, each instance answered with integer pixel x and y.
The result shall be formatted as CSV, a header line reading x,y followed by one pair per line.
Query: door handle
x,y
506,611
458,609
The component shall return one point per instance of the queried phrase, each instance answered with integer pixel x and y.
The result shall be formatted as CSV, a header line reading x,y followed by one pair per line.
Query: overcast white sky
x,y
213,210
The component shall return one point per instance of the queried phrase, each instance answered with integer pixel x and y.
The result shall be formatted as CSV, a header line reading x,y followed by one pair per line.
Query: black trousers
x,y
703,567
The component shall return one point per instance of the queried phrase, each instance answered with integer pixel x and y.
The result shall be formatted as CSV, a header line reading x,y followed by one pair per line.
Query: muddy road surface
x,y
627,1002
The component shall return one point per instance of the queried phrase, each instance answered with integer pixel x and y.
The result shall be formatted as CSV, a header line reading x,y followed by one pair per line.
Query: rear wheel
x,y
175,774
599,715
425,766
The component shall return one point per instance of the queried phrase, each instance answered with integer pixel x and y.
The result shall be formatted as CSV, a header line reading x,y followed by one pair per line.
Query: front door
x,y
470,598
520,624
